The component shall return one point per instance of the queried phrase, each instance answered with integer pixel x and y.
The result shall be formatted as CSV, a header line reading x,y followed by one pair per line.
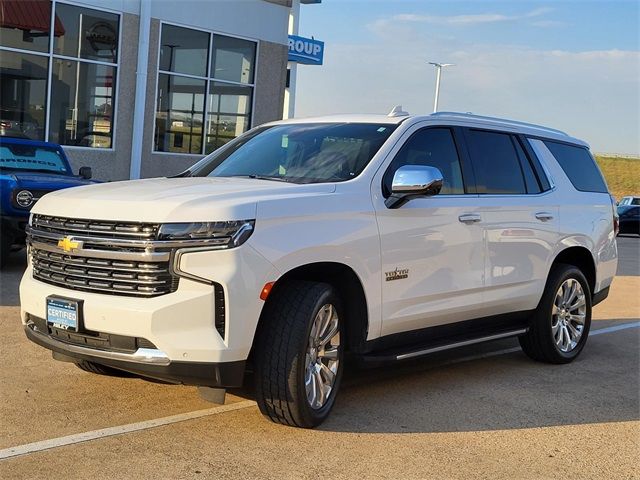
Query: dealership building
x,y
141,88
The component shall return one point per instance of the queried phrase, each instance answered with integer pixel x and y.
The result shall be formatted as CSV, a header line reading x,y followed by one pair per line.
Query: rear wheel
x,y
298,359
560,325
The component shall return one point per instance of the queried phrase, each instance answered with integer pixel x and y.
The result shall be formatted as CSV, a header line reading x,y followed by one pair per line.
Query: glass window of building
x,y
80,72
23,95
26,25
82,97
198,108
88,34
183,50
179,114
232,59
227,113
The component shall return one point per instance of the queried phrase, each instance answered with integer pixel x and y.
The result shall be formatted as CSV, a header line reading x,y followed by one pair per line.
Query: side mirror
x,y
85,172
412,181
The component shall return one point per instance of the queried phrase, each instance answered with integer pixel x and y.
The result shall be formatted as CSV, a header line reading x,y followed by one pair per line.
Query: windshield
x,y
298,153
31,158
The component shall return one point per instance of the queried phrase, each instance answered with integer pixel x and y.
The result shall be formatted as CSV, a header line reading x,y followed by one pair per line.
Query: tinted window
x,y
433,147
495,163
579,166
530,178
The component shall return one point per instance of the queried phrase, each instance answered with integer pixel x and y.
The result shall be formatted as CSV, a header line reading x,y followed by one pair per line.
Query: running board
x,y
472,341
399,354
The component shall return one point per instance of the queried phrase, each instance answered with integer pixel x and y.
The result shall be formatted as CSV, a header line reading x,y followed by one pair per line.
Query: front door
x,y
432,248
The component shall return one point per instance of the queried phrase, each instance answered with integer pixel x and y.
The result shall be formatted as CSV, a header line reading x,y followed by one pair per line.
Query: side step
x,y
414,351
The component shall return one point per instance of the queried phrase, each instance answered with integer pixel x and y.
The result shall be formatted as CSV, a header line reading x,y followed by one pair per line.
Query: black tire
x,y
98,369
5,249
538,343
282,344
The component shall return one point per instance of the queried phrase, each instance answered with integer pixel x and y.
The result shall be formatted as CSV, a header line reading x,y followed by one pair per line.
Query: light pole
x,y
438,73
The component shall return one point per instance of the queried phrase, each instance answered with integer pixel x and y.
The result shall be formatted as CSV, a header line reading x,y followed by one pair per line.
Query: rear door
x,y
519,218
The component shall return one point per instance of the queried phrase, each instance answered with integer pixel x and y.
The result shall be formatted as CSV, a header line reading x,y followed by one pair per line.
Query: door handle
x,y
469,218
544,216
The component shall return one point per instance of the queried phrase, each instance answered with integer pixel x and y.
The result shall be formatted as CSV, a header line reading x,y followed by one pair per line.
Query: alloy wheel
x,y
322,356
568,315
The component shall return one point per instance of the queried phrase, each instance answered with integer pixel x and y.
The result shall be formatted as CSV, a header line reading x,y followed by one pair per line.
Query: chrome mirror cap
x,y
411,181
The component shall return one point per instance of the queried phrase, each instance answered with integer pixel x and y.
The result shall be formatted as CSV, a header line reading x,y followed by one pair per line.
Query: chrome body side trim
x,y
419,353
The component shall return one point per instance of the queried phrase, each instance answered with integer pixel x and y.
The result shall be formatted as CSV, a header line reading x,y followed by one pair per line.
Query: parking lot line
x,y
119,430
158,422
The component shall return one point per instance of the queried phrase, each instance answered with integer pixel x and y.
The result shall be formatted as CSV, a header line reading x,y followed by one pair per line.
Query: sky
x,y
571,65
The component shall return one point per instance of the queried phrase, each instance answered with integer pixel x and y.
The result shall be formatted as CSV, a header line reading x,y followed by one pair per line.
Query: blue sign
x,y
305,50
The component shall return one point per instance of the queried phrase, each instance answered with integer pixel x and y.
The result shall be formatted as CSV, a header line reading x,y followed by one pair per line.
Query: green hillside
x,y
622,175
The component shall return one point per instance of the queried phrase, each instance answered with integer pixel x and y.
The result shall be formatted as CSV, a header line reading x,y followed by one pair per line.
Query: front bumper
x,y
180,325
149,363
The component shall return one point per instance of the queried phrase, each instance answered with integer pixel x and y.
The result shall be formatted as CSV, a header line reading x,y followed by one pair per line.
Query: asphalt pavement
x,y
479,412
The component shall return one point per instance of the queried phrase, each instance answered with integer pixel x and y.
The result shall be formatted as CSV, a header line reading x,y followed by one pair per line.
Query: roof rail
x,y
501,121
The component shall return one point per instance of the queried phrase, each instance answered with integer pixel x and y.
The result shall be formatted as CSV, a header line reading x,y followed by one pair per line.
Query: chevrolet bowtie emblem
x,y
67,244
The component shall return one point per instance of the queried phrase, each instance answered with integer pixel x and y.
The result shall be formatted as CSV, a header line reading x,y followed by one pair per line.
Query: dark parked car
x,y
28,170
629,215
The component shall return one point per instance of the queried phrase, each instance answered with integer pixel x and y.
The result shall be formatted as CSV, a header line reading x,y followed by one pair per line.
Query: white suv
x,y
384,237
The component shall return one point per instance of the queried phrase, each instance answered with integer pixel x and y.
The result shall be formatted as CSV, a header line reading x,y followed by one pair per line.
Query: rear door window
x,y
495,162
579,166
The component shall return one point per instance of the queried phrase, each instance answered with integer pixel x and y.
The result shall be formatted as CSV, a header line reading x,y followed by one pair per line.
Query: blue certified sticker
x,y
62,313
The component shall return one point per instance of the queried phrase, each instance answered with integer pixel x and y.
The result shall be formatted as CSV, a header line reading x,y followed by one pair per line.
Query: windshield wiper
x,y
263,177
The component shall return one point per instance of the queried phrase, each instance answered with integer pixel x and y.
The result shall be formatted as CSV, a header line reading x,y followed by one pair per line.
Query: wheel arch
x,y
349,287
581,258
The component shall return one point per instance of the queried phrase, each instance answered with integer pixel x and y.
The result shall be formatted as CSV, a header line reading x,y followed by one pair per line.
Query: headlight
x,y
24,198
231,234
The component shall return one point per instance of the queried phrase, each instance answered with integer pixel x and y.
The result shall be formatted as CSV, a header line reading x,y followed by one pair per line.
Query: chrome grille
x,y
115,258
67,226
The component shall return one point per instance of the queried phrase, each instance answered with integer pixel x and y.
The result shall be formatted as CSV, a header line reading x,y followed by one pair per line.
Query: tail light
x,y
5,124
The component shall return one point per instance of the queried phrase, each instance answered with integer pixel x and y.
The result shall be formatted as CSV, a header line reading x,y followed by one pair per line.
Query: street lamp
x,y
438,73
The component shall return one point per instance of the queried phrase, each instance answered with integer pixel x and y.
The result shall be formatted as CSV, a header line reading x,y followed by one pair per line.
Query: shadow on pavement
x,y
501,392
10,278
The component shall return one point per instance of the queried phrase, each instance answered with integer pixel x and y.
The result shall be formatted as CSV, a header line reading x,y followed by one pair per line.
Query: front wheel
x,y
560,325
299,354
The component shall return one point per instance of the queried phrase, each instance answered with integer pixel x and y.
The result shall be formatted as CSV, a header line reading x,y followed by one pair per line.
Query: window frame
x,y
468,175
209,81
50,55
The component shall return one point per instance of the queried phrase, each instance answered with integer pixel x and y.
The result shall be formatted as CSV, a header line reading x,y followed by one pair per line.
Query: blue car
x,y
28,170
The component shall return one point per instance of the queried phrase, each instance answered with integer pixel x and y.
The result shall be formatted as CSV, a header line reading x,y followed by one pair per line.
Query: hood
x,y
47,181
190,199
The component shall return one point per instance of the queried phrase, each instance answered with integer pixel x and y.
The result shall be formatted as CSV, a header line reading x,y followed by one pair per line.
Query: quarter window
x,y
579,166
434,147
205,90
495,161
